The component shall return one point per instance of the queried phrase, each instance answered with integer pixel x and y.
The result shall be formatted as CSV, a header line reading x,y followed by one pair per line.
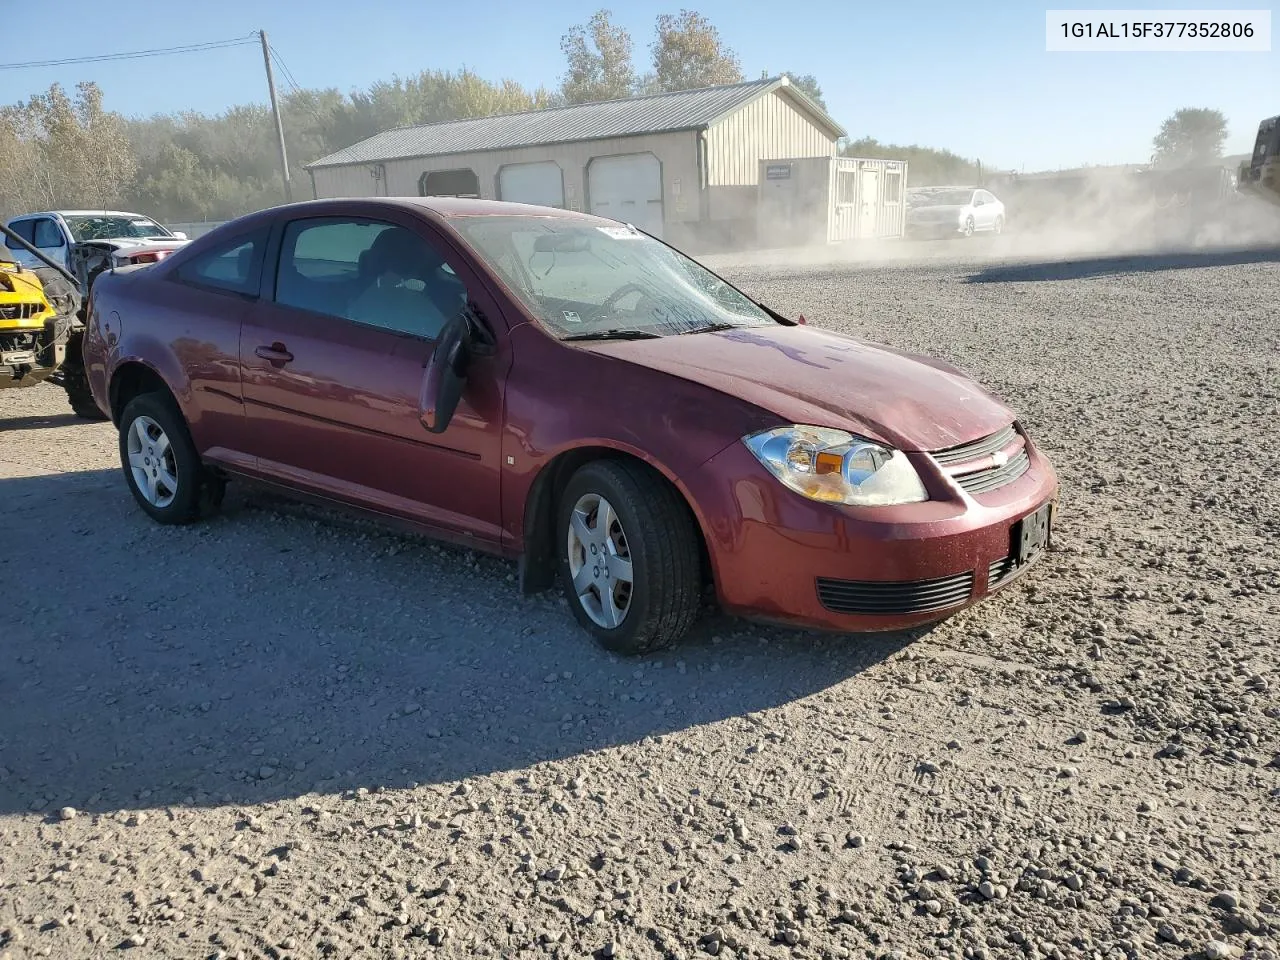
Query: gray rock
x,y
1226,900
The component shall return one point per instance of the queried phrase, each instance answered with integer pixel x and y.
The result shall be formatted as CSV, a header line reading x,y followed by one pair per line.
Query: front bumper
x,y
780,557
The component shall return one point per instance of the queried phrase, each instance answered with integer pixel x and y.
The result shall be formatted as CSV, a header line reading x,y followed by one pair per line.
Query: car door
x,y
48,238
206,302
26,229
333,365
986,212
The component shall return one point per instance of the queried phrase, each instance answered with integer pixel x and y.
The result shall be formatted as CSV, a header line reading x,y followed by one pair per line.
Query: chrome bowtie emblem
x,y
1000,458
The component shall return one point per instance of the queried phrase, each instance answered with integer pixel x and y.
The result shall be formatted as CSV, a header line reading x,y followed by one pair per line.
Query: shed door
x,y
540,183
627,188
870,203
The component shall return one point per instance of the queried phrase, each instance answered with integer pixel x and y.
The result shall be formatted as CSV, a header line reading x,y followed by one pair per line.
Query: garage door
x,y
627,188
539,183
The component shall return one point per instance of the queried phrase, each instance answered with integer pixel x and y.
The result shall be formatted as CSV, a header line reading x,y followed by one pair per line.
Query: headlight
x,y
837,467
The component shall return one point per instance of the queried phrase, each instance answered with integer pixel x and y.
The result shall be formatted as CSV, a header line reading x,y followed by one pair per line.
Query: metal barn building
x,y
683,166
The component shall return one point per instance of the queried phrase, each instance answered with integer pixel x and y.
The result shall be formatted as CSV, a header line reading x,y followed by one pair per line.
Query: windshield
x,y
92,227
580,278
938,198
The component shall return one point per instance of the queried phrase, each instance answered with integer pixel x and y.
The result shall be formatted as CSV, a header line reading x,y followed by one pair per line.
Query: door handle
x,y
276,353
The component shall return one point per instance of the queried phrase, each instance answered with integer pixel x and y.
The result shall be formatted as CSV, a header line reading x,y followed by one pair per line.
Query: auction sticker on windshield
x,y
621,233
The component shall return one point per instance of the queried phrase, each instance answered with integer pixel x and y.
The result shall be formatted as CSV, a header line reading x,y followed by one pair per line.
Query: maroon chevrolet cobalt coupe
x,y
570,392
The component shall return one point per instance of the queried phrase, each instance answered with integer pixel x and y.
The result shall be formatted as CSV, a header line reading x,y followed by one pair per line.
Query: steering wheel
x,y
618,294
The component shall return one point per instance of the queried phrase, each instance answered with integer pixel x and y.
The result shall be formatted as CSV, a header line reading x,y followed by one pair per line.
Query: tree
x,y
688,53
58,150
926,166
599,56
806,84
1190,136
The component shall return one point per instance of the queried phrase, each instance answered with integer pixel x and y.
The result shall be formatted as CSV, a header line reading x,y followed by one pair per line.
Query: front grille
x,y
954,461
975,450
883,598
984,480
20,311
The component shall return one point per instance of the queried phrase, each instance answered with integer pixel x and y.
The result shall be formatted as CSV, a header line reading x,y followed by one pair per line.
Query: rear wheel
x,y
76,381
629,557
999,226
161,466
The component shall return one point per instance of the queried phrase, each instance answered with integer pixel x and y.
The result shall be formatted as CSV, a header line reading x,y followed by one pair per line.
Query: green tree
x,y
926,166
60,150
599,57
688,53
807,84
1190,136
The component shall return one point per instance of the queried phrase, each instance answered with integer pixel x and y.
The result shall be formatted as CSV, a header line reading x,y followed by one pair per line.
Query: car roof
x,y
445,208
84,213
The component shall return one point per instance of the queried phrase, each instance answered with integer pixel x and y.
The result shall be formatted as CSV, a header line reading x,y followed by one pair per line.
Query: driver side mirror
x,y
179,235
446,375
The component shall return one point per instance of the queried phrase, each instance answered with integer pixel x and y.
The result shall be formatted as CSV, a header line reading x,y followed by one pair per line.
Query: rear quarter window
x,y
234,266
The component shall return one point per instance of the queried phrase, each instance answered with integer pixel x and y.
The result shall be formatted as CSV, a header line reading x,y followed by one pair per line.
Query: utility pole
x,y
275,110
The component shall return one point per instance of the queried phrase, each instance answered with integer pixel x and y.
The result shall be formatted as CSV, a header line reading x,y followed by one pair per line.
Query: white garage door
x,y
627,188
539,183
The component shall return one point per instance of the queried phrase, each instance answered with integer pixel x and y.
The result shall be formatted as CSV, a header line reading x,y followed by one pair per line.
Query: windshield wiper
x,y
712,328
614,334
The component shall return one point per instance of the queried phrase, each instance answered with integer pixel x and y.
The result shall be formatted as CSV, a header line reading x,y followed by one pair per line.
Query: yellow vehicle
x,y
41,328
1260,176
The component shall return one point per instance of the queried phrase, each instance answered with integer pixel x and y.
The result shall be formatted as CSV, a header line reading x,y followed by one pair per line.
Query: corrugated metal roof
x,y
656,113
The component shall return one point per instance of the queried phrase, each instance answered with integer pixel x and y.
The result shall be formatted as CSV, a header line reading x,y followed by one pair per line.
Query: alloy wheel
x,y
152,463
600,561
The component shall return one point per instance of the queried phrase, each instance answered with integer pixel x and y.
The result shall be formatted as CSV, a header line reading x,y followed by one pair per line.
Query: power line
x,y
135,54
288,74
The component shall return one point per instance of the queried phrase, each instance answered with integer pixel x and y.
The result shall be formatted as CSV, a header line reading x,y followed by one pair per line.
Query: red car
x,y
568,391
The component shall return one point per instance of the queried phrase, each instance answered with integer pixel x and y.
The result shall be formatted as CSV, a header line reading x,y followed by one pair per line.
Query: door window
x,y
26,229
232,267
369,272
48,235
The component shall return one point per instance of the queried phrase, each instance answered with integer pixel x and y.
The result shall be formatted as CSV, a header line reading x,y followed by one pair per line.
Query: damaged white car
x,y
87,242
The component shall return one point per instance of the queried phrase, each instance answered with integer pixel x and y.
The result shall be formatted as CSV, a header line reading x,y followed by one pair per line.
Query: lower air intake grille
x,y
1004,567
881,598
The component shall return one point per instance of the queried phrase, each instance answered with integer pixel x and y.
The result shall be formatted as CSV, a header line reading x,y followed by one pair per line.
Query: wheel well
x,y
538,561
131,380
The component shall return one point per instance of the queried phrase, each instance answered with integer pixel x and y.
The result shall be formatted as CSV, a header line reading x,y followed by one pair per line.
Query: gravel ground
x,y
283,734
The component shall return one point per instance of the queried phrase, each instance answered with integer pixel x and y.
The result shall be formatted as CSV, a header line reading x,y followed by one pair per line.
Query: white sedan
x,y
953,211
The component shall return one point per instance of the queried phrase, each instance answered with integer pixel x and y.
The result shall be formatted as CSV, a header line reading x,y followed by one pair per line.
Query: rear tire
x,y
999,226
161,466
639,576
76,381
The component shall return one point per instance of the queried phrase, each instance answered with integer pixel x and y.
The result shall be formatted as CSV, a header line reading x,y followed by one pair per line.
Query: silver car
x,y
953,211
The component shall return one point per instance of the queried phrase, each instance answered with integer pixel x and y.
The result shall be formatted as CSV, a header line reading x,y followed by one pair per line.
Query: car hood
x,y
804,375
139,243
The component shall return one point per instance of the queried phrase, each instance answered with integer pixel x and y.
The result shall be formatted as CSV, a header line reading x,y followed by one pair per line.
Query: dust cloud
x,y
1088,213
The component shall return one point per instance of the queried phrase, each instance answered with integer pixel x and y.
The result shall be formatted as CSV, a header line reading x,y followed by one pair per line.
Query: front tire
x,y
161,466
968,227
629,557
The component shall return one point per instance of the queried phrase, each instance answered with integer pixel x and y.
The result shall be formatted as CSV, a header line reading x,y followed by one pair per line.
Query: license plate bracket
x,y
1032,534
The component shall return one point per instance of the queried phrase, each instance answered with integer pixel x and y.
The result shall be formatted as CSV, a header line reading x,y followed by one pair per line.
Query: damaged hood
x,y
824,379
134,244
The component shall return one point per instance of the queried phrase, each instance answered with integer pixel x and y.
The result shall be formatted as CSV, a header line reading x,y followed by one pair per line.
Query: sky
x,y
975,80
